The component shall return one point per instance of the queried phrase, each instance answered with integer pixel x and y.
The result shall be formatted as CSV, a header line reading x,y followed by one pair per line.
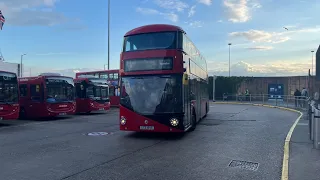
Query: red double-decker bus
x,y
112,76
46,95
92,94
164,81
9,96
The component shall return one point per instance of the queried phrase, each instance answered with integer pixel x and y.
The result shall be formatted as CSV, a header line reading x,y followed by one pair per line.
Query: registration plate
x,y
61,114
101,109
150,128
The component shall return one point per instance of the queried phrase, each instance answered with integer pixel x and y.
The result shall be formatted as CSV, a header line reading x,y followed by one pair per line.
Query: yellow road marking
x,y
285,161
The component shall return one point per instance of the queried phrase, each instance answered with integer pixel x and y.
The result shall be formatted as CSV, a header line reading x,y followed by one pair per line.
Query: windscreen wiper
x,y
4,102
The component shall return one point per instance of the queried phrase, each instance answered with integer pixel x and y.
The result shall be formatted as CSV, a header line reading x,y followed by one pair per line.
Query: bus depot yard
x,y
164,88
232,142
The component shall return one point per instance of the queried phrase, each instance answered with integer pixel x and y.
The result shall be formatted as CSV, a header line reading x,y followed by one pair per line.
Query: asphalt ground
x,y
233,142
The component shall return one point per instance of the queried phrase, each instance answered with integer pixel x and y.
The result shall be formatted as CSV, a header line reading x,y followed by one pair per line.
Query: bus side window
x,y
23,90
35,92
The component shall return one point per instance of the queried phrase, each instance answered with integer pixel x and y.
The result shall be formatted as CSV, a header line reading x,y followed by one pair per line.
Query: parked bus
x,y
112,76
9,96
164,81
46,95
92,94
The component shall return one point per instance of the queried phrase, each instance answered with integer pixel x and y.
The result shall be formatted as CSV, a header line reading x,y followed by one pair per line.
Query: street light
x,y
108,34
21,64
312,62
229,58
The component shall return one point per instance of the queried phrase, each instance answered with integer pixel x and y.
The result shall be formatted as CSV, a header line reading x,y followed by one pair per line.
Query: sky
x,y
69,36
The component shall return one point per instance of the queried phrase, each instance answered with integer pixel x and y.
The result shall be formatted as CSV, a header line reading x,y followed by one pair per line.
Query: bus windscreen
x,y
8,88
148,41
148,95
59,89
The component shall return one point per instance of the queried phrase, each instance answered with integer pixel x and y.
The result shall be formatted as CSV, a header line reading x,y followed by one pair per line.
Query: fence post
x,y
316,129
287,100
262,98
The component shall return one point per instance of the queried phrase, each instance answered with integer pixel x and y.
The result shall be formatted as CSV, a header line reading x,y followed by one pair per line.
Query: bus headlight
x,y
174,122
123,120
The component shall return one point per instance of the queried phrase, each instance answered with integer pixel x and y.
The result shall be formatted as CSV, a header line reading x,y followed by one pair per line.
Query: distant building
x,y
10,67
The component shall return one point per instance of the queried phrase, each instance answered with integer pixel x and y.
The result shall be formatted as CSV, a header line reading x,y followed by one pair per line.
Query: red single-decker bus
x,y
9,96
112,76
92,94
164,81
46,95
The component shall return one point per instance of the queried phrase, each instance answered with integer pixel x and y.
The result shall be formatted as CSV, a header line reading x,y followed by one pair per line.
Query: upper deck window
x,y
150,41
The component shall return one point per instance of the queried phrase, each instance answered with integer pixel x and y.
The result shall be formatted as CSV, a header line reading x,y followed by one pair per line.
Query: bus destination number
x,y
149,128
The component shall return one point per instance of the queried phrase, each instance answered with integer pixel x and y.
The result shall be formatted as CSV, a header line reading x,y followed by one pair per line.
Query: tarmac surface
x,y
238,142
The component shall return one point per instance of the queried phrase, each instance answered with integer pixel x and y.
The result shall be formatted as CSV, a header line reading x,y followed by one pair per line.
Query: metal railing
x,y
289,101
314,123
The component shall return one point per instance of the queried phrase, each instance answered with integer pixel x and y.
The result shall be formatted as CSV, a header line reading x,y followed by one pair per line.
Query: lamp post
x,y
312,62
108,34
21,64
229,57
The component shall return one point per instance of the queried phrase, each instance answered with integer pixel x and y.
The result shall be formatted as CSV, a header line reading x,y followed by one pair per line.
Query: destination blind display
x,y
148,64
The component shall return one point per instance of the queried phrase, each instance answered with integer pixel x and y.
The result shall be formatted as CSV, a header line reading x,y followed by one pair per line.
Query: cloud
x,y
239,11
205,2
147,11
191,11
35,71
260,48
32,13
53,53
280,68
172,4
196,24
260,36
171,16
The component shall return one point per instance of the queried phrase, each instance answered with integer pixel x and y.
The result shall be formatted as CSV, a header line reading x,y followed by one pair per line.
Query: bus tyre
x,y
22,113
206,111
193,121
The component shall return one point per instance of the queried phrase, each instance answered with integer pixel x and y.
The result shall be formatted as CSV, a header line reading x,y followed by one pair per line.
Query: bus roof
x,y
38,77
101,71
153,28
8,72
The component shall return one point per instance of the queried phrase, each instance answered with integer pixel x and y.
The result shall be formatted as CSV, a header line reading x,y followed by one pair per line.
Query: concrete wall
x,y
259,85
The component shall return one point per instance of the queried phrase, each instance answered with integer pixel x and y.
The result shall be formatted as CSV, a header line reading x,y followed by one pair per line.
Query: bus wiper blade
x,y
4,102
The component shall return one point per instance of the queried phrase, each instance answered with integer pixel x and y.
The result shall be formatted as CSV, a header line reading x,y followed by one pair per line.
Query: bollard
x,y
316,129
311,122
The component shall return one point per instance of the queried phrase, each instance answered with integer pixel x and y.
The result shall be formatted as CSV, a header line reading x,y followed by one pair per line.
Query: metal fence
x,y
314,123
288,101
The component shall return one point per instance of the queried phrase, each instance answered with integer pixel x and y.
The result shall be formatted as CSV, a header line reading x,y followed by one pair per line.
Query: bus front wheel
x,y
193,121
22,114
